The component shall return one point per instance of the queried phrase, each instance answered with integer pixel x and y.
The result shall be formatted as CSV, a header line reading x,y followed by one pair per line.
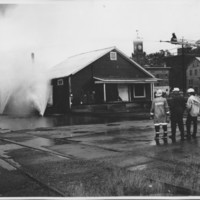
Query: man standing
x,y
159,111
193,108
177,106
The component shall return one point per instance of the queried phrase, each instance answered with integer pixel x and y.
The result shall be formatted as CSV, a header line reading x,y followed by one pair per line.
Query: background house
x,y
103,77
177,74
162,75
193,74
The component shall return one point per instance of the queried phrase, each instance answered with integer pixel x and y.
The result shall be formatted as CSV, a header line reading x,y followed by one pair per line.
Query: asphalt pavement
x,y
33,162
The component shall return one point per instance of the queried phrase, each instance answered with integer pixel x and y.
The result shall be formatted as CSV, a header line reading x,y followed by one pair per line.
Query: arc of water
x,y
4,97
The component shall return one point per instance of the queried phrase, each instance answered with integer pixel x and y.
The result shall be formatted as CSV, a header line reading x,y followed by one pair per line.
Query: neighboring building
x,y
177,73
193,74
162,74
102,77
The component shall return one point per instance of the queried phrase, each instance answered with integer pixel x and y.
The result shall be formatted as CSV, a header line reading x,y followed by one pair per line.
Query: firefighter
x,y
193,108
177,107
159,112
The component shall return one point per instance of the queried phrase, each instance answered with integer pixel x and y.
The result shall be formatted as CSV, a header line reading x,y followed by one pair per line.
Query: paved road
x,y
34,156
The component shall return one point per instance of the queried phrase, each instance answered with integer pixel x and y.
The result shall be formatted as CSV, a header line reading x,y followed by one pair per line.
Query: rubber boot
x,y
165,135
182,137
188,136
157,136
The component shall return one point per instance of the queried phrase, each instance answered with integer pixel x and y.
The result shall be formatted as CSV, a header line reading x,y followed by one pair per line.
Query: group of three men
x,y
175,107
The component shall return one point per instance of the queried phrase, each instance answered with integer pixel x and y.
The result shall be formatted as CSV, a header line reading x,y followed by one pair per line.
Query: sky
x,y
57,29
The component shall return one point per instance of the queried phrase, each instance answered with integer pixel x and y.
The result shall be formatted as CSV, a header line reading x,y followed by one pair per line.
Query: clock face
x,y
140,47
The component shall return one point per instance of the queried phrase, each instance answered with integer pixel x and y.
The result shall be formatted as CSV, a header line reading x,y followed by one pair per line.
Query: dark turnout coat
x,y
177,105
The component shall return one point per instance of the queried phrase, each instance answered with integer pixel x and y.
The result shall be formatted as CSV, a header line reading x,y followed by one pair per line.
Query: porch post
x,y
104,92
152,91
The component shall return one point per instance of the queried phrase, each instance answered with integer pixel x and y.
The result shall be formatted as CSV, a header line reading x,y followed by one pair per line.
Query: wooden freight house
x,y
103,78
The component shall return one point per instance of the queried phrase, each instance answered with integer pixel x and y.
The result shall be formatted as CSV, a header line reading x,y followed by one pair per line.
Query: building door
x,y
123,92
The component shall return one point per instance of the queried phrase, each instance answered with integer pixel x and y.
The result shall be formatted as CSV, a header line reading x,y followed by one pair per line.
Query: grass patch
x,y
116,183
184,173
91,178
86,178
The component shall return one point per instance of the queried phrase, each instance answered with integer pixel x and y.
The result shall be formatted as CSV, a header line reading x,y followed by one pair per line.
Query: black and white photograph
x,y
99,99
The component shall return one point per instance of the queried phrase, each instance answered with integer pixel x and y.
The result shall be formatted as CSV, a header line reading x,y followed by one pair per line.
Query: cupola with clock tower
x,y
138,53
138,45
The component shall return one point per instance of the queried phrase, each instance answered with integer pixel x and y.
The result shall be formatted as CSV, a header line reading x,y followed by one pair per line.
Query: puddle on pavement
x,y
9,122
7,166
80,131
4,150
113,124
5,130
115,140
60,141
38,142
160,142
138,167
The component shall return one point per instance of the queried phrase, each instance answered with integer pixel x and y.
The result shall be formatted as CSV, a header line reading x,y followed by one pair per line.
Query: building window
x,y
190,81
195,72
190,72
113,55
139,91
60,82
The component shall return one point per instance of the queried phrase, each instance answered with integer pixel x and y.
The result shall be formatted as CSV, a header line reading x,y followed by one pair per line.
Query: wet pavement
x,y
125,144
23,122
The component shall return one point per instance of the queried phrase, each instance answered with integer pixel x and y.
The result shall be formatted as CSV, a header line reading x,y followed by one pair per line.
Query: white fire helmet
x,y
176,89
190,90
159,93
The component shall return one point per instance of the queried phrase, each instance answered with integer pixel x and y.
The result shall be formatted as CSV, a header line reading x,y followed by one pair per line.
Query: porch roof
x,y
124,80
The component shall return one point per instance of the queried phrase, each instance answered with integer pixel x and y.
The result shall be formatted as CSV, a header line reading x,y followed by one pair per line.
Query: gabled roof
x,y
75,63
194,59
